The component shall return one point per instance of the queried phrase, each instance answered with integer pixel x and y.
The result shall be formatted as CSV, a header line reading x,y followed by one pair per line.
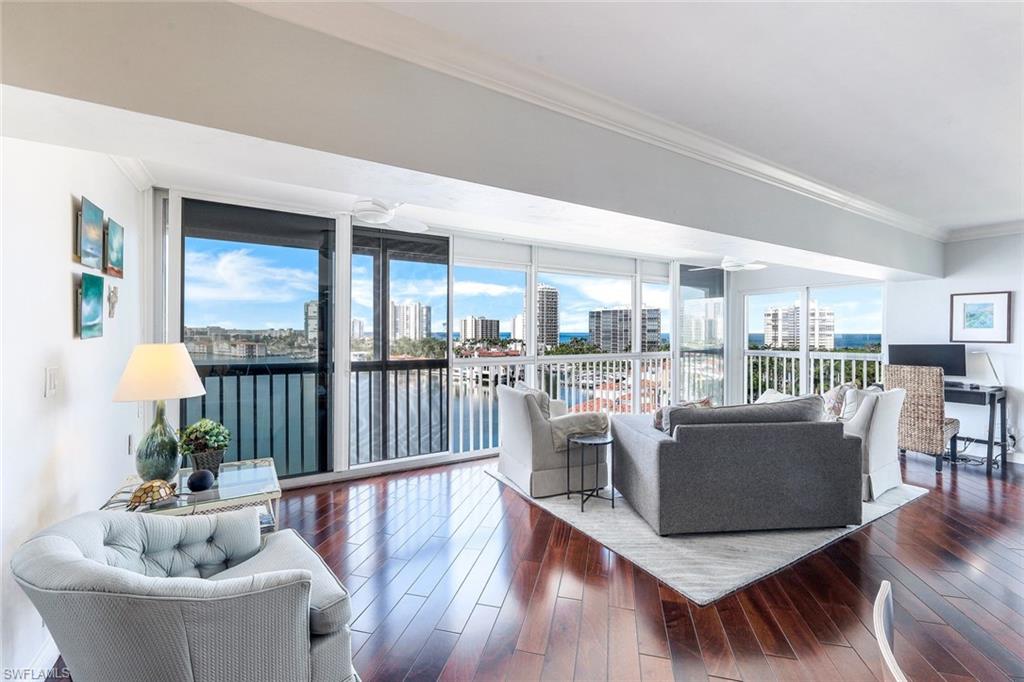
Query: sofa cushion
x,y
663,416
329,607
806,409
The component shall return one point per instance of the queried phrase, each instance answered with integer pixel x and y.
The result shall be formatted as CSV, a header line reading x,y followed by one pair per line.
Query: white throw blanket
x,y
571,424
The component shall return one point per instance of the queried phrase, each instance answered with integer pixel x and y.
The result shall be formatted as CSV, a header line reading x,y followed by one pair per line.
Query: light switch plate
x,y
50,382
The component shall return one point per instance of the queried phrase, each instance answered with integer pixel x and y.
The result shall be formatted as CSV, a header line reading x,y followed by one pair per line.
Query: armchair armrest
x,y
577,422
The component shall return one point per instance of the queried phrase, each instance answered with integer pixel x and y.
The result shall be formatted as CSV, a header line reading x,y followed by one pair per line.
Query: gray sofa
x,y
132,597
749,467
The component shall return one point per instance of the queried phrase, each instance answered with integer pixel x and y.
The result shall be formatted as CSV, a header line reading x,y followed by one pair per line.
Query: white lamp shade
x,y
159,371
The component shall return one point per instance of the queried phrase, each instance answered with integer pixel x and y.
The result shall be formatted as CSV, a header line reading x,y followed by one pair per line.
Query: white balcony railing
x,y
587,383
783,371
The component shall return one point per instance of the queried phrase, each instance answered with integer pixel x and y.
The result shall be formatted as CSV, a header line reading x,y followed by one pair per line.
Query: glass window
x,y
656,317
844,335
490,312
418,308
365,342
773,321
845,319
579,314
257,294
701,334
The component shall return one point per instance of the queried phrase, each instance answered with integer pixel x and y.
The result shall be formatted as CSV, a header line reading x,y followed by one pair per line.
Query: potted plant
x,y
204,442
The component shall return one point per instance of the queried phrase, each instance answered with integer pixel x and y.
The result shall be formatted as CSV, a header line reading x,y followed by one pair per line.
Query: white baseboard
x,y
385,467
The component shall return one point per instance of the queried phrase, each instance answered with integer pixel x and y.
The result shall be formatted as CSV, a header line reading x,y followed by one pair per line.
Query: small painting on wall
x,y
980,318
90,235
90,306
113,251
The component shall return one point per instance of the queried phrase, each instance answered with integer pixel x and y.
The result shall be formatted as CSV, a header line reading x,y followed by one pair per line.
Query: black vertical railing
x,y
414,420
271,410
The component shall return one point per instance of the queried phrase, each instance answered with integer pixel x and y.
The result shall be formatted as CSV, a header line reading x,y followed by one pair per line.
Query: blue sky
x,y
858,309
247,286
250,286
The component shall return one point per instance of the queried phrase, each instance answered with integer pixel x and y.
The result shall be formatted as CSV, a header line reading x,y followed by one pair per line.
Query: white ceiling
x,y
915,106
209,162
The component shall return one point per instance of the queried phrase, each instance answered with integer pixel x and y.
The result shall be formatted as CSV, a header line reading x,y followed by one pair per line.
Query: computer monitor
x,y
951,357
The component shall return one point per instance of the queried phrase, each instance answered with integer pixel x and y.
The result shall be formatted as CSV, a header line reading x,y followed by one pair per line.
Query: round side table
x,y
584,441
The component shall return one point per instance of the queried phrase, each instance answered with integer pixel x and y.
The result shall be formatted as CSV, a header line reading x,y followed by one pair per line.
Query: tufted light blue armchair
x,y
186,599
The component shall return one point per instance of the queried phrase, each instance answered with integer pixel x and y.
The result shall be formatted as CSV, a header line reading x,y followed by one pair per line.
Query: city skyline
x,y
858,309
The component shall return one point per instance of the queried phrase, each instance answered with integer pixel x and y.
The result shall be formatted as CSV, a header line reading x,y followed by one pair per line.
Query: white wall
x,y
918,312
64,454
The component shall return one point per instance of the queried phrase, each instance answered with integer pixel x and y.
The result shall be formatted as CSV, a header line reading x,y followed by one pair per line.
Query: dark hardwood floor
x,y
454,576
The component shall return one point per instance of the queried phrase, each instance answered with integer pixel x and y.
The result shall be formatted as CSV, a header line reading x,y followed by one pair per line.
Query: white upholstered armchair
x,y
131,597
876,423
533,432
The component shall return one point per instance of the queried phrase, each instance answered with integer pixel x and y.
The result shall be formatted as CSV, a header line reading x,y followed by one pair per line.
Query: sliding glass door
x,y
701,368
257,302
400,345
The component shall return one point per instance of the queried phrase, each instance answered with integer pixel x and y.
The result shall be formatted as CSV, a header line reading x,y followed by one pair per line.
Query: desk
x,y
984,395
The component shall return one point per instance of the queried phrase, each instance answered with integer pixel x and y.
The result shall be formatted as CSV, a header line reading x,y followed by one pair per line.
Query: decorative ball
x,y
200,480
150,493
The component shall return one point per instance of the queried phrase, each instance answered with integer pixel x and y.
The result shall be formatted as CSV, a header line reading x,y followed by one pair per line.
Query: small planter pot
x,y
208,459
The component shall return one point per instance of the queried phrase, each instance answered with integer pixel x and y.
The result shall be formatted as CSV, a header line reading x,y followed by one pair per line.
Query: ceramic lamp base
x,y
157,456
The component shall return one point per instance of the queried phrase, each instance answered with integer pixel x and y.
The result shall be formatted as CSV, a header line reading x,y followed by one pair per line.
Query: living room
x,y
425,375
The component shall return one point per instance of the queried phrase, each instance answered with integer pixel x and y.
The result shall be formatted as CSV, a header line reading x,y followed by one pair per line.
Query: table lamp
x,y
158,371
988,366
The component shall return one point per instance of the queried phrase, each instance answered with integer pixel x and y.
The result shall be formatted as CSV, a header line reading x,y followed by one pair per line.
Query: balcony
x,y
270,408
782,370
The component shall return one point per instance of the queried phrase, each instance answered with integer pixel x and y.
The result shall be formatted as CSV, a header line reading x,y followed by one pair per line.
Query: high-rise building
x,y
547,316
611,330
650,330
358,328
311,315
410,320
478,328
518,328
782,327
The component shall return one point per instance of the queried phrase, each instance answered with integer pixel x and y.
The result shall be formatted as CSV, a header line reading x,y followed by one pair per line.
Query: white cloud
x,y
470,288
600,292
239,276
362,292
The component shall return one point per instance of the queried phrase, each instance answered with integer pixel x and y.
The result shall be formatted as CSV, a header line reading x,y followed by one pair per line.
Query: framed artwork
x,y
980,317
90,307
90,235
113,249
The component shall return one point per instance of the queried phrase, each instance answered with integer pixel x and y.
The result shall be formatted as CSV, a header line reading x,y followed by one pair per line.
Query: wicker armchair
x,y
924,426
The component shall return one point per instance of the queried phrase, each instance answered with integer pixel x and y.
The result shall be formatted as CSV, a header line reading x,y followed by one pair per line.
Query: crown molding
x,y
398,36
962,234
135,171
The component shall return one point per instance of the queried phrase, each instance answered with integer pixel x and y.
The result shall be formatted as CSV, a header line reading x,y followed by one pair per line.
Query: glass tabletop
x,y
591,439
236,480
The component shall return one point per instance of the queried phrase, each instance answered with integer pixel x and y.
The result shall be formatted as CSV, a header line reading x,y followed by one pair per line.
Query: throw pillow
x,y
852,400
834,399
662,416
770,395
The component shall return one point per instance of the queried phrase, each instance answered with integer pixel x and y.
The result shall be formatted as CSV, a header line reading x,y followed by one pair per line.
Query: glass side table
x,y
584,441
248,483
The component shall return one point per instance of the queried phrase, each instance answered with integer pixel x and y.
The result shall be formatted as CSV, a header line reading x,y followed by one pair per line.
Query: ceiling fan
x,y
730,264
379,212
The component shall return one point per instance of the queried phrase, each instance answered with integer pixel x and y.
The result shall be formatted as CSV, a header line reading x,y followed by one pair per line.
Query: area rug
x,y
708,566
